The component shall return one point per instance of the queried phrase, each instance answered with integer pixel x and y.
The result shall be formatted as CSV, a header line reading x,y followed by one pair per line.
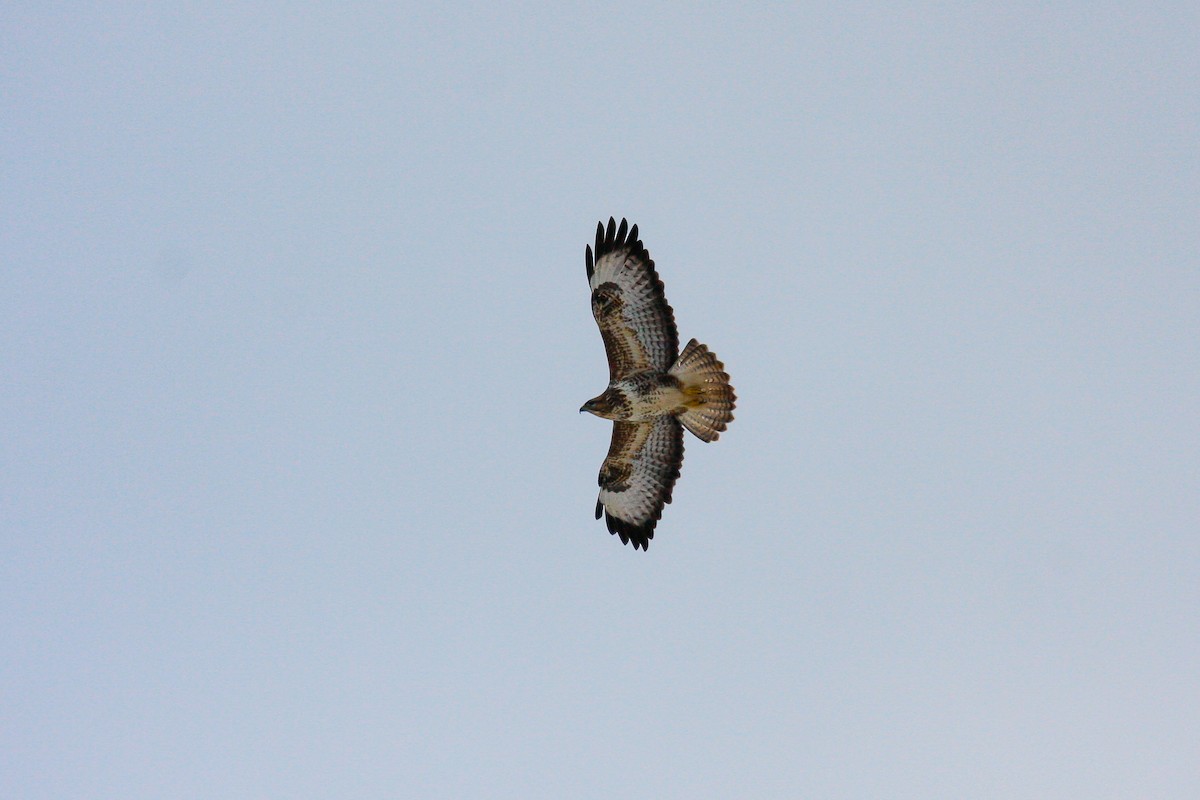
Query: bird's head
x,y
591,406
601,406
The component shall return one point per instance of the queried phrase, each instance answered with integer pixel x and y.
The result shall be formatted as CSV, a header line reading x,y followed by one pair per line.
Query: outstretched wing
x,y
636,322
637,477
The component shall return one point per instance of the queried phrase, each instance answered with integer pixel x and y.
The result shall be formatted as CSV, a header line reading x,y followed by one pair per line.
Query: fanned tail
x,y
708,397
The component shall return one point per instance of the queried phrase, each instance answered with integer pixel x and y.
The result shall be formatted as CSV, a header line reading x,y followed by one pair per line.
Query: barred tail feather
x,y
709,399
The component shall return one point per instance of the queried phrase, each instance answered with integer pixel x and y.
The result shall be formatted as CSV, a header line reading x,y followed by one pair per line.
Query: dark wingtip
x,y
589,262
616,236
599,508
639,535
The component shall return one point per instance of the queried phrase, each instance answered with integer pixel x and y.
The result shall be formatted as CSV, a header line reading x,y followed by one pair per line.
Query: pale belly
x,y
650,395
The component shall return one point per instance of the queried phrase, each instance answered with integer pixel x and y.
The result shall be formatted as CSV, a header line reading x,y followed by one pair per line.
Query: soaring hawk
x,y
654,391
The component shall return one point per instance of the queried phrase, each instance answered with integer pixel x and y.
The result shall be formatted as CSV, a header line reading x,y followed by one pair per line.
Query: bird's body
x,y
654,391
640,397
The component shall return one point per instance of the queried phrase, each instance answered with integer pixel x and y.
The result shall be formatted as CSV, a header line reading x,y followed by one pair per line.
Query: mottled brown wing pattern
x,y
628,301
638,476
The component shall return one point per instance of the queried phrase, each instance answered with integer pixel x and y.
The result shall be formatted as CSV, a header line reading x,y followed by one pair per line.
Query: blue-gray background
x,y
296,501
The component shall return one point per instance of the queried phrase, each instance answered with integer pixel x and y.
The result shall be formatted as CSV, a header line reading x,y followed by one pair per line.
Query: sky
x,y
296,500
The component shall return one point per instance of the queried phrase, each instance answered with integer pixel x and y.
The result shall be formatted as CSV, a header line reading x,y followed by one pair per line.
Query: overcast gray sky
x,y
296,501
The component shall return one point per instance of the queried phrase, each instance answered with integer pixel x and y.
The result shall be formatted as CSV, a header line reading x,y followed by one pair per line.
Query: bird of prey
x,y
654,391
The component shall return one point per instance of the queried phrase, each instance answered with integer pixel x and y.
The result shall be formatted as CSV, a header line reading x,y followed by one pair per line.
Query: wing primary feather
x,y
639,535
589,261
643,334
599,508
638,476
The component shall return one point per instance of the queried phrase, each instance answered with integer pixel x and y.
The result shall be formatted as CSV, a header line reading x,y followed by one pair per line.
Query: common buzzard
x,y
654,391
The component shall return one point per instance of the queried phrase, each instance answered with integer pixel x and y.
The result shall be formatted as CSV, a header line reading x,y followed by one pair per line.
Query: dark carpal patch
x,y
614,476
606,300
